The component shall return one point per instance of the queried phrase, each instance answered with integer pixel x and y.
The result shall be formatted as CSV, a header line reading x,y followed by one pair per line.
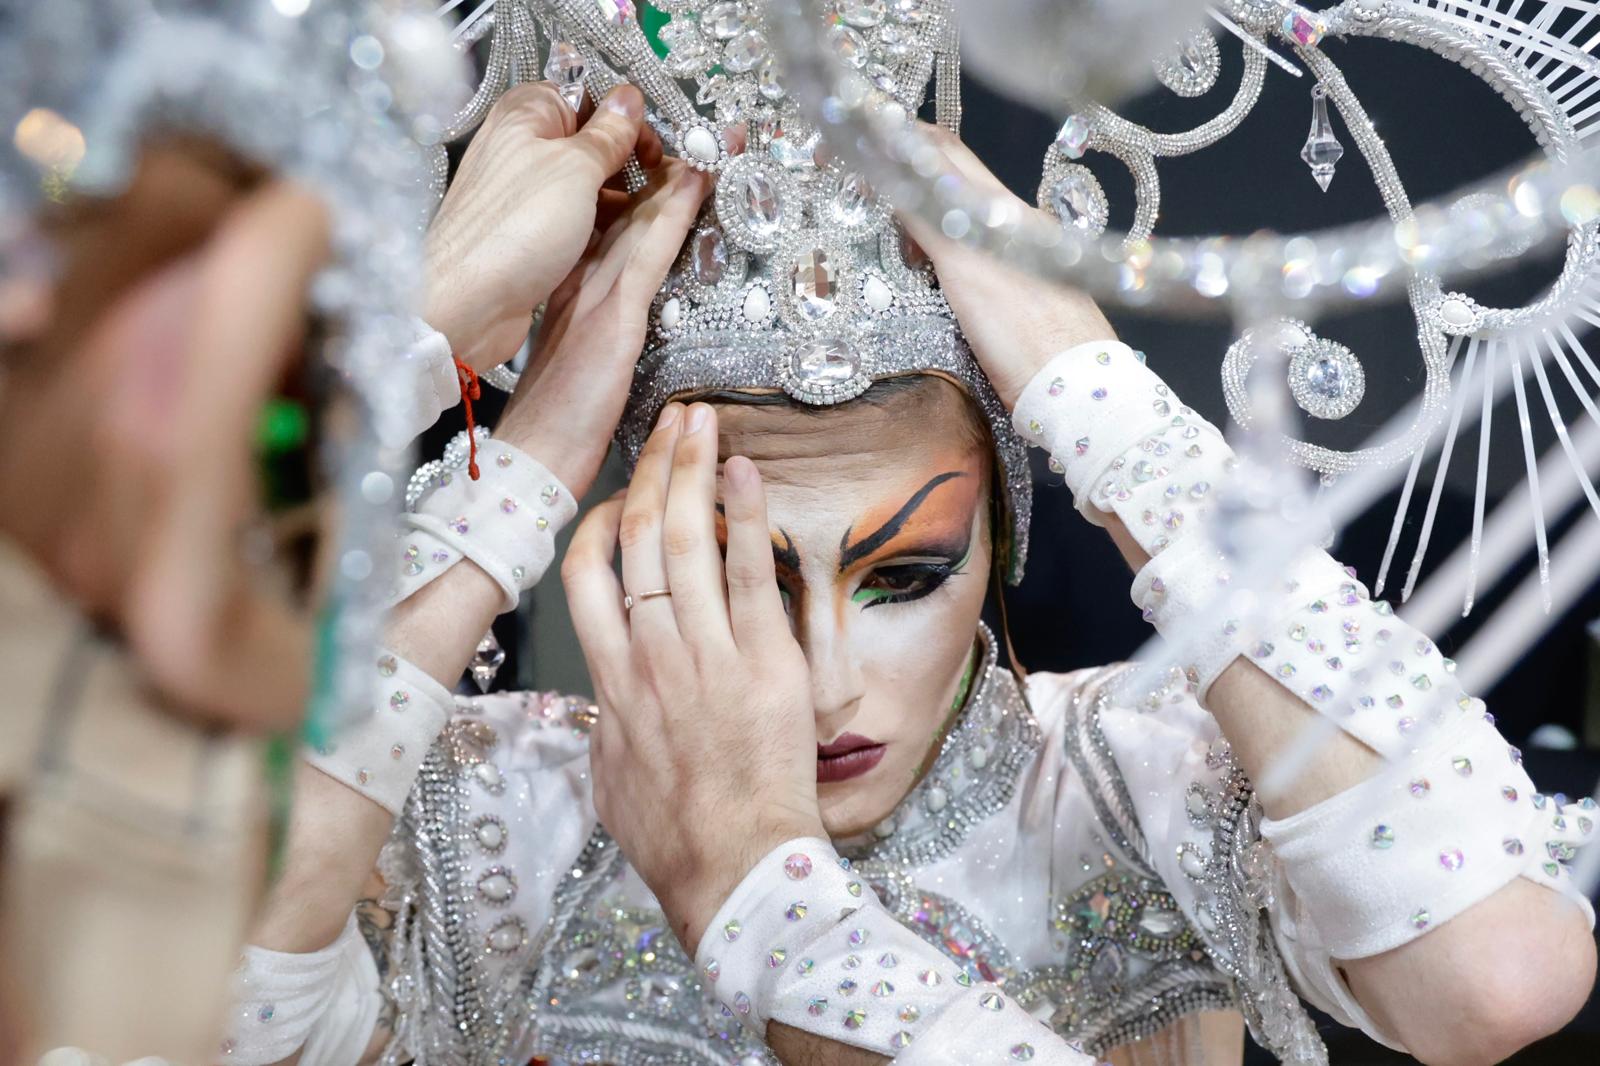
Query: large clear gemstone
x,y
760,209
687,52
863,14
853,200
708,259
744,51
723,20
769,79
826,362
849,46
1075,202
816,284
565,69
1326,377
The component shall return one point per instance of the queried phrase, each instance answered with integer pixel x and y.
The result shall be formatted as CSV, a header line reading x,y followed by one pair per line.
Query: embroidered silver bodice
x,y
1021,855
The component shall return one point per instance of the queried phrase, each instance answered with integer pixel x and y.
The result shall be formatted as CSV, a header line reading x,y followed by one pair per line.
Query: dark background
x,y
1444,129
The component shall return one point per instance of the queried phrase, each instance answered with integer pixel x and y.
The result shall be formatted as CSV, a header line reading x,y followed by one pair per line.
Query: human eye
x,y
902,582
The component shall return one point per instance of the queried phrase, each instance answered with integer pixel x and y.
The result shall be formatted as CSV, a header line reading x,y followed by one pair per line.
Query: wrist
x,y
574,465
692,901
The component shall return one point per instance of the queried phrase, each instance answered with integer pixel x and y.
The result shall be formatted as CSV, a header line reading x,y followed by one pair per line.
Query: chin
x,y
853,808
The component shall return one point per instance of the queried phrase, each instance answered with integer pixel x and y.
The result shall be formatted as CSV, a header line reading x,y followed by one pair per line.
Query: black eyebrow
x,y
887,531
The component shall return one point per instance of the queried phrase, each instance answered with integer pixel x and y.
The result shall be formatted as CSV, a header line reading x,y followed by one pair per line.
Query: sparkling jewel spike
x,y
565,70
1322,150
486,662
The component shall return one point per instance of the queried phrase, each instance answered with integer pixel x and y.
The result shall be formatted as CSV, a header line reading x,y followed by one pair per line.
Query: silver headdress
x,y
797,279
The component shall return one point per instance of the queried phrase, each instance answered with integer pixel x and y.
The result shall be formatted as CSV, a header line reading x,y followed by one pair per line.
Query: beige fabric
x,y
134,845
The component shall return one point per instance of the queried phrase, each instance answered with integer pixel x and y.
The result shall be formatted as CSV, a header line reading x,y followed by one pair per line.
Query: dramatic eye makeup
x,y
912,579
915,569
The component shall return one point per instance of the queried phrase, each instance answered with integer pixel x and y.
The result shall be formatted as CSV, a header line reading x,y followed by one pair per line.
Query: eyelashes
x,y
908,582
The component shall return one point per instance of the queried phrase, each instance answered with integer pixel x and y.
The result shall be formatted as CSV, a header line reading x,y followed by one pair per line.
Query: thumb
x,y
612,131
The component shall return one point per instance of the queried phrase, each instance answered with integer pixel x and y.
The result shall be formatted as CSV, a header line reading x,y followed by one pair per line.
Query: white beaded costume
x,y
1095,864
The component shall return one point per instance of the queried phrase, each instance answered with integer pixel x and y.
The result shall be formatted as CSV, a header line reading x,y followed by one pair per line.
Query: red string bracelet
x,y
470,391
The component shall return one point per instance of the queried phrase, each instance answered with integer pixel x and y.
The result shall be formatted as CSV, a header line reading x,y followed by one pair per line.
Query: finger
x,y
538,106
689,534
649,149
612,205
755,606
640,248
609,136
594,596
643,568
189,591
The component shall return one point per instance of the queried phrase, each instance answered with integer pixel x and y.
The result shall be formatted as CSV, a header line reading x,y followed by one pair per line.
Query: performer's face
x,y
880,528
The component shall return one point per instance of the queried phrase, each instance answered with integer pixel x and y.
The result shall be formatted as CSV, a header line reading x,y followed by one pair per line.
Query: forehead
x,y
832,466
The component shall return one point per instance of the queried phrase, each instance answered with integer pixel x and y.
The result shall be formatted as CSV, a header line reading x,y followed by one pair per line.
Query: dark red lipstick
x,y
846,757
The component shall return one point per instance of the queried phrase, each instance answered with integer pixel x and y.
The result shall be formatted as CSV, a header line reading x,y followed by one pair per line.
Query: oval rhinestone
x,y
815,281
760,208
853,200
1073,197
826,362
722,20
744,51
708,258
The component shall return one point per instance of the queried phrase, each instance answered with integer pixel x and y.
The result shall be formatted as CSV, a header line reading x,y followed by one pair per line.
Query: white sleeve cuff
x,y
804,942
321,1003
429,370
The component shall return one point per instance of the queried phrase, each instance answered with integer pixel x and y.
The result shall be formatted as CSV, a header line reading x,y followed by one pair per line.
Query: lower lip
x,y
844,767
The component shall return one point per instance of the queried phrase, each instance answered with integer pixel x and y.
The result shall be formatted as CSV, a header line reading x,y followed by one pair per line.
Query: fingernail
x,y
669,416
697,417
740,471
625,101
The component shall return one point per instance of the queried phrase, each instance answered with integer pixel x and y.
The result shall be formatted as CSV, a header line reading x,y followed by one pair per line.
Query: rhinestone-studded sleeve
x,y
500,812
805,943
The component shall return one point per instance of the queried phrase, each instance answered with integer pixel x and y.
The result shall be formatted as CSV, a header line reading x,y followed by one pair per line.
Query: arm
x,y
553,436
1446,996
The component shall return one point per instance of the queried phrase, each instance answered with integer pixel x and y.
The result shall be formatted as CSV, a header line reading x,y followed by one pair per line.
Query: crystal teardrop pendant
x,y
486,661
1322,150
565,69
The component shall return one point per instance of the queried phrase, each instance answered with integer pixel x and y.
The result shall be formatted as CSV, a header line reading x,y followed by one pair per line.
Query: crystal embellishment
x,y
1073,137
486,661
1078,201
565,70
1322,150
1326,379
708,256
815,280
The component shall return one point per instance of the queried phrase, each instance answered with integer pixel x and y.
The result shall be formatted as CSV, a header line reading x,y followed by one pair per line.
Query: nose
x,y
837,683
